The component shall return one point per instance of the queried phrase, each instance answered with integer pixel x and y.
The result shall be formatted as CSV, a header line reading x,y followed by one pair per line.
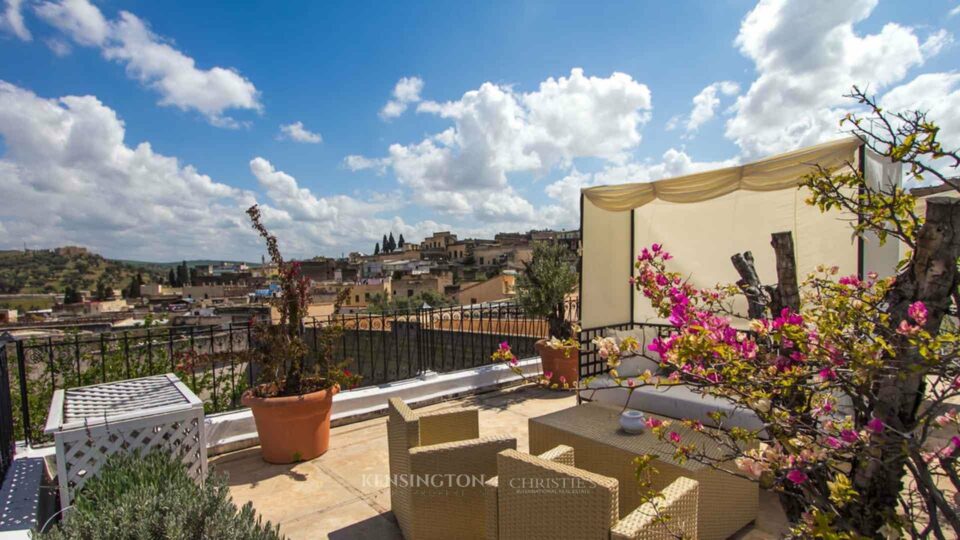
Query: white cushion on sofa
x,y
676,401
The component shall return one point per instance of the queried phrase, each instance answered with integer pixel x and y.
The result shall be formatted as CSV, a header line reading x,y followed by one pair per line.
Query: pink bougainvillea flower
x,y
548,374
797,476
504,346
656,248
849,435
918,312
674,436
832,442
631,383
875,425
513,361
563,379
652,422
827,374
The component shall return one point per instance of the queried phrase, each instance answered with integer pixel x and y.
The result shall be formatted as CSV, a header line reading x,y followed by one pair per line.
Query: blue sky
x,y
499,131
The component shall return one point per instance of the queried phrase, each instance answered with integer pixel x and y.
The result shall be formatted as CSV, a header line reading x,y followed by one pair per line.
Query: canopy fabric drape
x,y
771,174
734,210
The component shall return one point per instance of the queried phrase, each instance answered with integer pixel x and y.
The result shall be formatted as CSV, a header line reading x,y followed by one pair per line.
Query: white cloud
x,y
938,94
58,47
68,157
296,132
497,131
79,19
152,61
11,20
359,163
955,11
936,42
807,54
307,223
406,91
706,102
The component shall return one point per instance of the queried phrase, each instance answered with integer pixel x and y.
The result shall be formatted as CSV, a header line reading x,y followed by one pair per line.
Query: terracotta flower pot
x,y
563,362
293,428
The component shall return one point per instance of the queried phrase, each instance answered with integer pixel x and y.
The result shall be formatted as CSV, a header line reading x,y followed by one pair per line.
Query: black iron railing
x,y
591,364
7,440
381,347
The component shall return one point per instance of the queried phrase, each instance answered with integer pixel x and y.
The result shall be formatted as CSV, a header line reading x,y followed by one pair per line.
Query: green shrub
x,y
151,497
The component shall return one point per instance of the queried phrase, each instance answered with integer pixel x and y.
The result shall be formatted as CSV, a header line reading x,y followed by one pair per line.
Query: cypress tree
x,y
392,244
401,242
376,249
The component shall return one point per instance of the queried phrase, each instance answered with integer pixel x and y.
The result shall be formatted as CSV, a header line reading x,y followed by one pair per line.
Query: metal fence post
x,y
24,399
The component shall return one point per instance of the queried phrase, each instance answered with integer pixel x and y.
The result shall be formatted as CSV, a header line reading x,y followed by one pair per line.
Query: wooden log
x,y
788,290
750,284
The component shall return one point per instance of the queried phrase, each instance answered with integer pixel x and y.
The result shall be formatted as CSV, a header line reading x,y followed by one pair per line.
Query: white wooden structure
x,y
90,423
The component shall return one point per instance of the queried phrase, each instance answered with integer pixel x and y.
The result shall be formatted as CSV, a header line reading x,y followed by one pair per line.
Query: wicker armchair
x,y
438,467
546,497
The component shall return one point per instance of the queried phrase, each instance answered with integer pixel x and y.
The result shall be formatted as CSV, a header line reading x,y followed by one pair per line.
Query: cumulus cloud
x,y
152,61
938,94
69,157
406,91
323,223
296,132
11,20
497,130
706,102
807,55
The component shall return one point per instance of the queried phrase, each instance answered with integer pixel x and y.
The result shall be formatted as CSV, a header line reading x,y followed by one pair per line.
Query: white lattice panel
x,y
91,423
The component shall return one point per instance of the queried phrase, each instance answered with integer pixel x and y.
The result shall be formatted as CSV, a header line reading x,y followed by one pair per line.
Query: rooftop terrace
x,y
344,493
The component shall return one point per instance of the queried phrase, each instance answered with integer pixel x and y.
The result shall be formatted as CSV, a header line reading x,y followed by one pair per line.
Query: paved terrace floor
x,y
343,494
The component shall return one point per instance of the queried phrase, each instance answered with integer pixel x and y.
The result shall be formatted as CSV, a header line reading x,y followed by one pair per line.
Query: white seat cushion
x,y
677,401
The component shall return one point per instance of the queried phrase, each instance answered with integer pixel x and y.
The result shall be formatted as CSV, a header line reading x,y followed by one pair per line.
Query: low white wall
x,y
235,430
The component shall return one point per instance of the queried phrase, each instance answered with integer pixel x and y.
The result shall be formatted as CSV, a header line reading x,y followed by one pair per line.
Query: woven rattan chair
x,y
546,497
438,466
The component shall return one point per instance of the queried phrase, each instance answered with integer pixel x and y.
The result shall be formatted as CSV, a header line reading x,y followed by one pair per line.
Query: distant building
x,y
414,285
435,246
107,306
8,316
367,290
499,287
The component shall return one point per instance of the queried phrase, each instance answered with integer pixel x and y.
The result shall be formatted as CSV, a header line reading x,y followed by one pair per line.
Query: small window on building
x,y
473,300
357,298
409,293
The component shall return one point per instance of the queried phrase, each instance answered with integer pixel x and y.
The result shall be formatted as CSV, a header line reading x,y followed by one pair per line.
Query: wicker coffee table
x,y
726,504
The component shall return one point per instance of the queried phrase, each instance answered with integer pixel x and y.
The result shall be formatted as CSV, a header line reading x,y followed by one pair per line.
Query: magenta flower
x,y
674,436
875,425
827,374
833,442
652,422
548,374
797,476
504,346
849,436
656,248
918,312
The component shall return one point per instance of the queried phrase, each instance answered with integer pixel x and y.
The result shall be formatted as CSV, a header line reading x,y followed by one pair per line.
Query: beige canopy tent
x,y
704,218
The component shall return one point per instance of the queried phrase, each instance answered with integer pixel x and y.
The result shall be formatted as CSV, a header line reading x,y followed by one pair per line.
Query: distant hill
x,y
191,263
51,270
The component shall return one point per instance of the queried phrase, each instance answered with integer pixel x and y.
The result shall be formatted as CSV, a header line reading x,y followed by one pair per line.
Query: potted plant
x,y
541,292
291,402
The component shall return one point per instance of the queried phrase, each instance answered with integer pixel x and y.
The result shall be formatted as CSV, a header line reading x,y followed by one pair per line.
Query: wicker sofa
x,y
546,497
438,466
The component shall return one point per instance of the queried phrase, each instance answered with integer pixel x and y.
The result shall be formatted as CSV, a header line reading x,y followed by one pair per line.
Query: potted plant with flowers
x,y
541,292
291,402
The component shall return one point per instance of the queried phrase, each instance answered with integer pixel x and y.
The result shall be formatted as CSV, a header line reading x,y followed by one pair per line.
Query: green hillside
x,y
50,271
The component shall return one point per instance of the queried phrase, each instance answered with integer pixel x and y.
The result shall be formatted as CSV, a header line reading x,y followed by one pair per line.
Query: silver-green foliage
x,y
137,497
